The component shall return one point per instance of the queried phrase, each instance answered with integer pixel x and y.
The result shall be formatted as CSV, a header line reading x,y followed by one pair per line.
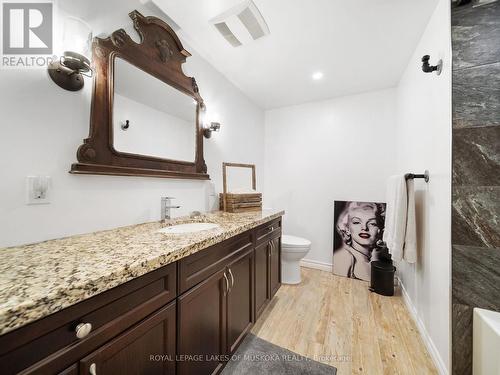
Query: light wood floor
x,y
337,321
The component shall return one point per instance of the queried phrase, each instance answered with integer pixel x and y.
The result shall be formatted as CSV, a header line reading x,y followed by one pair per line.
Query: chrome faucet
x,y
165,207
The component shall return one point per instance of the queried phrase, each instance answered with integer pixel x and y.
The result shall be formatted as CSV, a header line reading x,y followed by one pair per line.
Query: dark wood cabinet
x,y
197,267
50,345
185,318
147,348
262,290
267,268
275,265
215,316
201,326
240,307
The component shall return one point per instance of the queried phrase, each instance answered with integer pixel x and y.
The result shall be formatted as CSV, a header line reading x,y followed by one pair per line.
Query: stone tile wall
x,y
476,171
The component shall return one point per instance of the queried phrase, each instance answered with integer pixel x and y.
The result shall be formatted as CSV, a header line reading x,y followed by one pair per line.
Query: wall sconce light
x,y
209,128
68,71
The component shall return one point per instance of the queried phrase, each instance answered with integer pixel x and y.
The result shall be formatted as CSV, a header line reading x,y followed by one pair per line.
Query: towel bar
x,y
425,176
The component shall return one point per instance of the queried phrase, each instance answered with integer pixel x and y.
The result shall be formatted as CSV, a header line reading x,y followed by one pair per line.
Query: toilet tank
x,y
486,342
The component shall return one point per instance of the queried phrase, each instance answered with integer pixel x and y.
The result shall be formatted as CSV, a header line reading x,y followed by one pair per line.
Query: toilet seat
x,y
294,243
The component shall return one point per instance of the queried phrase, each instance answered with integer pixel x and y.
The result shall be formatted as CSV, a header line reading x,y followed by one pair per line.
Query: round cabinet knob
x,y
83,329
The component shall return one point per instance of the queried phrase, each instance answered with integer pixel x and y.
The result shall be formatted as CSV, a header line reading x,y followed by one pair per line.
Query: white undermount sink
x,y
188,228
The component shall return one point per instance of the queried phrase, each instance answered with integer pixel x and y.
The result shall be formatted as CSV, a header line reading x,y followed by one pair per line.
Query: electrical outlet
x,y
38,190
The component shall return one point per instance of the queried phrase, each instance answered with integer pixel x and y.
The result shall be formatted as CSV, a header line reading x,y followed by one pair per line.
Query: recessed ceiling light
x,y
317,76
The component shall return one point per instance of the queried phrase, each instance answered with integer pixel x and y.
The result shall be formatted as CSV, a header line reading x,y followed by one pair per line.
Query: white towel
x,y
400,234
410,247
395,216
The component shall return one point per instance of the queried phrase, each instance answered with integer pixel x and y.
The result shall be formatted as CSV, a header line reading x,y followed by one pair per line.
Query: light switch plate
x,y
38,190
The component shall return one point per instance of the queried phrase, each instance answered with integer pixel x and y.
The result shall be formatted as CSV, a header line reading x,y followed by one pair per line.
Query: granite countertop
x,y
40,279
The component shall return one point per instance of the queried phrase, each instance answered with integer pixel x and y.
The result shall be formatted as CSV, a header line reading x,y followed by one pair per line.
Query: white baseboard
x,y
436,357
316,265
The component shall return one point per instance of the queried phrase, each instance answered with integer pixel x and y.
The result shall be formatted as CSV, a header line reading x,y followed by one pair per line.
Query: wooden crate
x,y
241,202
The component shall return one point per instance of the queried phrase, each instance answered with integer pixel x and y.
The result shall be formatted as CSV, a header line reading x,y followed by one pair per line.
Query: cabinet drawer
x,y
50,345
146,348
199,266
268,231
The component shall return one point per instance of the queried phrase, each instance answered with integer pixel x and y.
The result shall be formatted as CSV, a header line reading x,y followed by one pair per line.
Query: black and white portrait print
x,y
359,226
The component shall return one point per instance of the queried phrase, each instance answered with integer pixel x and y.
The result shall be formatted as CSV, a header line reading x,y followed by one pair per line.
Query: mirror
x,y
161,119
143,83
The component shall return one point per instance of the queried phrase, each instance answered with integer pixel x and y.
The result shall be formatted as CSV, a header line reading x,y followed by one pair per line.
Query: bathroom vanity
x,y
137,301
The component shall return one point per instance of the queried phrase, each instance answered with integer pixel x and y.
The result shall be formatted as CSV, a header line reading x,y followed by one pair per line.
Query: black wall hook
x,y
428,68
126,125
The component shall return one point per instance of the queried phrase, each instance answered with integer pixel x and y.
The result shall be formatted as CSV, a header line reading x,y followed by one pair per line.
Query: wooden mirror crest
x,y
159,53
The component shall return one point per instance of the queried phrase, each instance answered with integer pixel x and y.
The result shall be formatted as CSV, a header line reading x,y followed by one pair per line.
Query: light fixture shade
x,y
68,70
77,36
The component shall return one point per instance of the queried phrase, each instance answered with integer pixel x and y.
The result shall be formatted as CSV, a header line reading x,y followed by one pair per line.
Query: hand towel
x,y
410,247
395,216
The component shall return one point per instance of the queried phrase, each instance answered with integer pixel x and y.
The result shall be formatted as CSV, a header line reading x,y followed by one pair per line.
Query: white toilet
x,y
293,249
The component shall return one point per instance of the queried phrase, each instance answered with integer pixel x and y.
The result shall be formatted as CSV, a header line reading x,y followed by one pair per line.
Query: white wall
x,y
339,149
42,125
424,140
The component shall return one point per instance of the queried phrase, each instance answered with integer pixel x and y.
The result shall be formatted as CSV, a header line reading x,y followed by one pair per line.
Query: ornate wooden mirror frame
x,y
160,53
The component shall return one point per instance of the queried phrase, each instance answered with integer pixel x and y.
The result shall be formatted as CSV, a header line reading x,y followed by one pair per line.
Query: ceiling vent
x,y
241,24
225,31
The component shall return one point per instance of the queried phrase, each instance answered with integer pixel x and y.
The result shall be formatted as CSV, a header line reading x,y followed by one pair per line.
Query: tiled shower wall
x,y
476,170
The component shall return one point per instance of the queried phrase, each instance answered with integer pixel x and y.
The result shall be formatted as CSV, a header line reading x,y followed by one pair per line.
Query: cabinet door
x,y
202,327
240,299
146,348
262,286
275,265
